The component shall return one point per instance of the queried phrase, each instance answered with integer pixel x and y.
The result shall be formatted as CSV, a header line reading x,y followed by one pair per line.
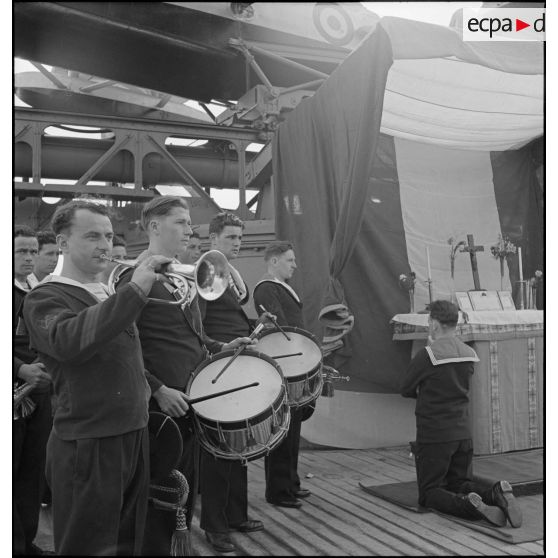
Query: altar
x,y
507,399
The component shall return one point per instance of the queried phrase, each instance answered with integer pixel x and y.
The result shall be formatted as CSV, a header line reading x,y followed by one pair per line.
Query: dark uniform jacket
x,y
172,338
439,377
93,352
277,299
22,353
224,319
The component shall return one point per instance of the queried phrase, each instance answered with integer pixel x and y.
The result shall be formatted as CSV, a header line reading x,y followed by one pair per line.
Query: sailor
x,y
224,483
439,378
97,454
32,410
47,258
174,344
273,294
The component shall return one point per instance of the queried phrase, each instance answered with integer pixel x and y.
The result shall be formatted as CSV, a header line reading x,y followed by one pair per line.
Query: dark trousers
x,y
29,441
99,493
161,523
281,476
444,471
224,493
47,496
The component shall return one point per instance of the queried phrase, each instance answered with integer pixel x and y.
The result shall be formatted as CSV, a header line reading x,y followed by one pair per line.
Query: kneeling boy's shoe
x,y
492,514
503,497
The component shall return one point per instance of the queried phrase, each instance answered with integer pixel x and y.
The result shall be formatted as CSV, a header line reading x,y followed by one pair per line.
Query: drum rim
x,y
262,415
246,352
305,375
305,333
313,397
253,454
224,354
292,329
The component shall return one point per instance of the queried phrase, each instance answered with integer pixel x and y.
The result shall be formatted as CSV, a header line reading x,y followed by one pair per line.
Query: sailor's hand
x,y
235,343
267,319
148,271
34,374
172,401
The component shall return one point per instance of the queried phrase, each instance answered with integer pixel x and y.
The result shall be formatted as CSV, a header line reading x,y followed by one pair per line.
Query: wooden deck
x,y
340,518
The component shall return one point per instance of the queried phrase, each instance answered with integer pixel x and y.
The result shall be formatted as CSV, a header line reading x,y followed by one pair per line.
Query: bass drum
x,y
300,358
247,424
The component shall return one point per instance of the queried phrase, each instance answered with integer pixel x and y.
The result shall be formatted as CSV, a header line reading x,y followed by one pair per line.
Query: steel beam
x,y
65,190
95,86
139,136
168,127
258,171
51,77
286,61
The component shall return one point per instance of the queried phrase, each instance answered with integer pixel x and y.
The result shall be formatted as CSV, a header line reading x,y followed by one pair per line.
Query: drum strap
x,y
237,285
191,313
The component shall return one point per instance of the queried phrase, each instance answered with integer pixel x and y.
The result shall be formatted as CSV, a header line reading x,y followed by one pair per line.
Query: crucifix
x,y
472,249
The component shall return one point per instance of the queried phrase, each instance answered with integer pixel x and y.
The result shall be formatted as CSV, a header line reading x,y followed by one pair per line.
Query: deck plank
x,y
340,518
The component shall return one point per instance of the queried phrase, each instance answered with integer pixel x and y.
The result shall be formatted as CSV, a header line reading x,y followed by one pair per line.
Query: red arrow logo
x,y
519,25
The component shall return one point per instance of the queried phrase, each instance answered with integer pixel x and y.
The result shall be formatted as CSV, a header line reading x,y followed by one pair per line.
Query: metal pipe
x,y
95,86
307,85
49,75
286,61
70,158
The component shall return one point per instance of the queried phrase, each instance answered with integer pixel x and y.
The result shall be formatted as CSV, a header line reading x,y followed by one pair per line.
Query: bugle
x,y
23,406
209,277
331,375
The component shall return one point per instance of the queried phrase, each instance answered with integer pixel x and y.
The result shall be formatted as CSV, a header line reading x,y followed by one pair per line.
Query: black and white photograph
x,y
279,278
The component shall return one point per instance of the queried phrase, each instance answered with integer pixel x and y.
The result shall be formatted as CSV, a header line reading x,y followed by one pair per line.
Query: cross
x,y
472,249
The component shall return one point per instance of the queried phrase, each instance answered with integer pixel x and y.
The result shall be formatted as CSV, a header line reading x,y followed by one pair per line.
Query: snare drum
x,y
247,424
303,372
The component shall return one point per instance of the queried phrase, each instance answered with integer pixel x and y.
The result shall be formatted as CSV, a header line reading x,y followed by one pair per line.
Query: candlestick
x,y
520,264
522,297
428,264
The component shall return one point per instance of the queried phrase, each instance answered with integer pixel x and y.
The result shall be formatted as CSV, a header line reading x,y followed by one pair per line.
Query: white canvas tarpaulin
x,y
482,96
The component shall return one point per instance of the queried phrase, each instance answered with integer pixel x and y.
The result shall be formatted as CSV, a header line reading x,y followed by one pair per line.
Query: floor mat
x,y
405,494
522,469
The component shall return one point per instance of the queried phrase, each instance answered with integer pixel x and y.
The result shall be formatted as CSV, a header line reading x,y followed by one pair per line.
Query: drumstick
x,y
285,356
219,393
274,320
237,352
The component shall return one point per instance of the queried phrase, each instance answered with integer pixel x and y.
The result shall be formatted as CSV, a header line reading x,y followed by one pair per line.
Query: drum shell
x,y
306,386
256,434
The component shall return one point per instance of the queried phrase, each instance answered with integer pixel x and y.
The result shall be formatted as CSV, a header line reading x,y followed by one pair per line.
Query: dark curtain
x,y
519,198
327,170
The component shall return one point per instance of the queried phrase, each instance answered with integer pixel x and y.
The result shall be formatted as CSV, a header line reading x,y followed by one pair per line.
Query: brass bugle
x,y
331,375
23,406
209,276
